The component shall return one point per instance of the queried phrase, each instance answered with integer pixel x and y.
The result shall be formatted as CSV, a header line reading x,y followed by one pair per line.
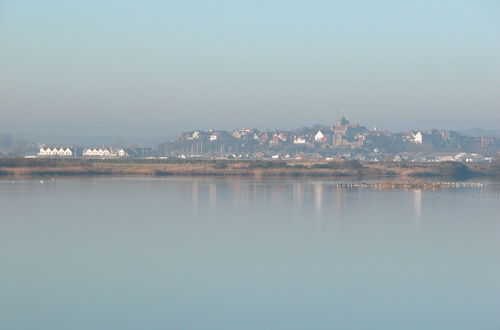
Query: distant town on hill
x,y
341,140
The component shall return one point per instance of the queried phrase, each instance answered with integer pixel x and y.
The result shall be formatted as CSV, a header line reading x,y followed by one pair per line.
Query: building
x,y
320,137
104,153
299,140
417,137
55,152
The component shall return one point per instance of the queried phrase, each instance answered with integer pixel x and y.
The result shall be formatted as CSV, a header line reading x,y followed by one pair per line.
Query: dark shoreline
x,y
248,168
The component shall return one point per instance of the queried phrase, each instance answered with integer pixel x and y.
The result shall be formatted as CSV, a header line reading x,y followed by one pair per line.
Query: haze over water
x,y
204,253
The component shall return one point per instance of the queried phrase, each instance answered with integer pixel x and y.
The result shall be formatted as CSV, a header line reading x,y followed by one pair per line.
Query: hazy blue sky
x,y
155,67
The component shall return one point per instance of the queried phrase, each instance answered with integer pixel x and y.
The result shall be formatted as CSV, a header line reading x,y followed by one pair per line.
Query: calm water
x,y
184,253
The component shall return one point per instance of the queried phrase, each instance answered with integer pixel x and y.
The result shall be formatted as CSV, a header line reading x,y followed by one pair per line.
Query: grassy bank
x,y
257,168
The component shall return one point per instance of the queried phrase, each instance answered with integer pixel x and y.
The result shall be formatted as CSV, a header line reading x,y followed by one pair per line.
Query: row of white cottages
x,y
104,152
88,152
55,152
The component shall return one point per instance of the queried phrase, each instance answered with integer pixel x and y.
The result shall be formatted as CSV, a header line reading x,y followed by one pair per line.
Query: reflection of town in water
x,y
304,200
319,203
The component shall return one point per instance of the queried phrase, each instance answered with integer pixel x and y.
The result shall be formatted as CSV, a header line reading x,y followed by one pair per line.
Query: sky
x,y
154,68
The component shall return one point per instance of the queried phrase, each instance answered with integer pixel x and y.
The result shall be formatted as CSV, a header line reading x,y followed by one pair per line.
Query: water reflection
x,y
339,200
298,194
280,254
305,199
322,199
212,197
318,197
194,194
417,207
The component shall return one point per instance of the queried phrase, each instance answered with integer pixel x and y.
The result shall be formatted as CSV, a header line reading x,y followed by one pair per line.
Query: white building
x,y
54,152
104,153
299,140
320,137
418,138
194,136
